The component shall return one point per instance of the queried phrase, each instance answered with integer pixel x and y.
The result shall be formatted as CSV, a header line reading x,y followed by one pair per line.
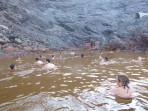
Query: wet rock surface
x,y
53,24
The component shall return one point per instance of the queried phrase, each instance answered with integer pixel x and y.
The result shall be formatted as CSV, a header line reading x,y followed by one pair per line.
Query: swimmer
x,y
100,57
12,67
52,56
42,57
49,65
122,90
38,61
18,59
103,59
87,45
140,59
82,55
72,53
106,59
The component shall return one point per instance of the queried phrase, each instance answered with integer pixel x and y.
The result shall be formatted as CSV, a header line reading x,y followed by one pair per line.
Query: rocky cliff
x,y
41,24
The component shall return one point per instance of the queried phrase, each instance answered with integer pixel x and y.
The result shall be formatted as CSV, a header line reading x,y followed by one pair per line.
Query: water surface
x,y
76,84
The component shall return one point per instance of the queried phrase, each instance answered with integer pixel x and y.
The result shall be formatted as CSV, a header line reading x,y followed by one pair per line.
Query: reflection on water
x,y
77,83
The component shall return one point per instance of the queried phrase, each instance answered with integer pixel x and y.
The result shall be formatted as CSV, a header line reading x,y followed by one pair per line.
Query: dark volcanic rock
x,y
113,24
2,42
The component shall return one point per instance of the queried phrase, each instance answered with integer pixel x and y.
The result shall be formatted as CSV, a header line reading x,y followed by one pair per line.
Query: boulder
x,y
1,35
27,48
144,41
3,26
6,39
17,40
2,42
11,49
144,38
140,15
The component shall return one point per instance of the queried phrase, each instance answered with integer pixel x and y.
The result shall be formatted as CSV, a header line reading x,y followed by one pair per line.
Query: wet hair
x,y
52,56
37,59
12,66
124,79
82,55
48,60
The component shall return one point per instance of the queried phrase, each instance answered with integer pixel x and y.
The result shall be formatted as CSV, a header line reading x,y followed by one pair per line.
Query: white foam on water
x,y
38,83
67,74
84,73
70,81
78,77
53,86
21,95
110,79
63,85
55,73
29,83
135,74
64,91
42,87
104,71
145,70
67,67
6,79
94,82
81,82
12,86
94,70
39,75
93,76
25,72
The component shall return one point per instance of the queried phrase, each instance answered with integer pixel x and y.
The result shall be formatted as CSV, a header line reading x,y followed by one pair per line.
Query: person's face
x,y
118,83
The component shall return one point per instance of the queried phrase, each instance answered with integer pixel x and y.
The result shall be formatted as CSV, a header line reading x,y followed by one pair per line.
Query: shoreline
x,y
5,55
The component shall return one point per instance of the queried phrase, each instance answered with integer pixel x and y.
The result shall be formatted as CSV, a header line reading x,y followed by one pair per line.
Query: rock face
x,y
69,23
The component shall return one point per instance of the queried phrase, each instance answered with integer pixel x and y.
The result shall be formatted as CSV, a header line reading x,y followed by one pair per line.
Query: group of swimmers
x,y
47,65
122,88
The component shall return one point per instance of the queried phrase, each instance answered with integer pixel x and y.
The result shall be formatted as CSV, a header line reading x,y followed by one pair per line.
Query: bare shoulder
x,y
113,90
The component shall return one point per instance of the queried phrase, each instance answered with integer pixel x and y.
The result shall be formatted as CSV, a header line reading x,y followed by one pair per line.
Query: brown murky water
x,y
77,84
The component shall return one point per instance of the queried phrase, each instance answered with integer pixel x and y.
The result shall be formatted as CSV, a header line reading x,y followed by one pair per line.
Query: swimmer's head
x,y
48,60
37,59
18,57
52,56
122,80
82,55
106,59
12,66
